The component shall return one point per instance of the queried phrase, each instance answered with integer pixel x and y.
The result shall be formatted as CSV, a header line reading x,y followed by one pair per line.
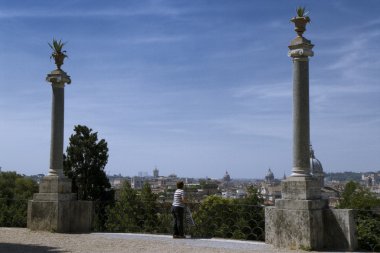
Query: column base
x,y
55,208
300,188
61,216
295,224
55,184
309,225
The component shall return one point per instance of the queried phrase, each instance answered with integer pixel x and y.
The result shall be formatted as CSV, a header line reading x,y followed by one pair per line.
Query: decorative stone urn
x,y
58,53
300,24
58,59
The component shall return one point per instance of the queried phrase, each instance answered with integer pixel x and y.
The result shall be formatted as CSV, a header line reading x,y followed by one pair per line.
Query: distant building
x,y
226,177
316,168
155,173
117,181
371,179
269,177
142,174
270,188
137,182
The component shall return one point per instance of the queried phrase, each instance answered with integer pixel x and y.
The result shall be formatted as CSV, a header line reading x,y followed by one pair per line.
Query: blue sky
x,y
192,87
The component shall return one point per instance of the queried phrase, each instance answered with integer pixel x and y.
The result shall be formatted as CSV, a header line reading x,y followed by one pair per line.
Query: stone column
x,y
296,221
58,79
301,219
300,50
301,185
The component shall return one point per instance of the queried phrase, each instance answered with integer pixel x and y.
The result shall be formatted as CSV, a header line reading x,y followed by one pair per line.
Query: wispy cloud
x,y
275,90
156,39
356,54
256,126
76,13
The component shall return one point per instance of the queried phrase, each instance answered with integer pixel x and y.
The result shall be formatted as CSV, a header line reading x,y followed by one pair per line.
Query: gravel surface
x,y
22,240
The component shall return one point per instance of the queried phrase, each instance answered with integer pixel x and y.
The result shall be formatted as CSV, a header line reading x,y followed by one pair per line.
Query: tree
x,y
254,196
84,163
231,218
357,197
15,190
124,215
149,209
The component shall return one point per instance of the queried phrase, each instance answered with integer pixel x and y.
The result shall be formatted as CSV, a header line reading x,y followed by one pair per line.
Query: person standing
x,y
178,208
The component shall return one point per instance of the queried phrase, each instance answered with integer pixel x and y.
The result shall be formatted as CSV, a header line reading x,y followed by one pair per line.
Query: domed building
x,y
270,188
226,177
269,177
316,168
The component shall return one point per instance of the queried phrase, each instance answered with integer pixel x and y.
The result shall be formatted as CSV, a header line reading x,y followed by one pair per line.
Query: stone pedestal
x,y
56,209
296,221
309,225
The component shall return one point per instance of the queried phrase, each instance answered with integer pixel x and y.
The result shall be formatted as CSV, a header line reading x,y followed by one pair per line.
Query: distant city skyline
x,y
192,87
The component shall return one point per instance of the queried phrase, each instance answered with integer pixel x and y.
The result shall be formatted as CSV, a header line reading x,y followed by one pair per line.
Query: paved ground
x,y
22,240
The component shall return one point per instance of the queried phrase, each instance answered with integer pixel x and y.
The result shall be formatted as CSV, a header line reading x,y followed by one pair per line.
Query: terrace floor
x,y
22,240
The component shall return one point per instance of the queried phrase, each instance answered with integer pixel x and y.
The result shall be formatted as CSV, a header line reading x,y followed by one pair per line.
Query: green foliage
x,y
57,47
368,226
84,163
100,207
301,11
134,211
357,197
124,215
15,190
149,209
231,218
254,196
139,211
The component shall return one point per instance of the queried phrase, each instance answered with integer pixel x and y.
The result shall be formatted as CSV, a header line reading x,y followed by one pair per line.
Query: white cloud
x,y
274,90
80,13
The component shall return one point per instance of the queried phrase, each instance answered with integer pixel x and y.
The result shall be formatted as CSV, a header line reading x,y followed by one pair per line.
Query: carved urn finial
x,y
58,54
300,21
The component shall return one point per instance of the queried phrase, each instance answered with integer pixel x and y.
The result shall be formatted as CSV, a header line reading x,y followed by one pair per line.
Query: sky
x,y
195,88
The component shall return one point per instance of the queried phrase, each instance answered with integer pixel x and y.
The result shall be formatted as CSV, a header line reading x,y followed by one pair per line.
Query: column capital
x,y
58,78
300,47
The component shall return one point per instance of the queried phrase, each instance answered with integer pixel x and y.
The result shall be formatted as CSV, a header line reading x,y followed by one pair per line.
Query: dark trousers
x,y
177,212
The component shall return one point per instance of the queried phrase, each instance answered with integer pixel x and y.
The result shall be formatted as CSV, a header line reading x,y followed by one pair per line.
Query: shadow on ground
x,y
24,248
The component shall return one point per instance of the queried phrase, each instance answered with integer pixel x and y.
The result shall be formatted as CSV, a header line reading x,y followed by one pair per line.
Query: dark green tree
x,y
356,196
85,161
15,190
125,215
149,209
231,218
364,202
254,196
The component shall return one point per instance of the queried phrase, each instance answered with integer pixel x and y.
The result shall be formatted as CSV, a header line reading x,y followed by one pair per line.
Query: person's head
x,y
180,185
